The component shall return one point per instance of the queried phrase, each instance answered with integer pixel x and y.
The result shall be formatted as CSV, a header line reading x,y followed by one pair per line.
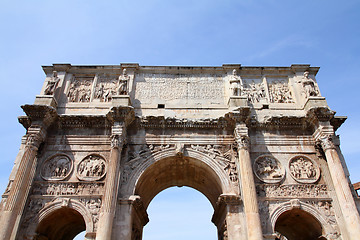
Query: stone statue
x,y
309,85
236,84
122,83
52,84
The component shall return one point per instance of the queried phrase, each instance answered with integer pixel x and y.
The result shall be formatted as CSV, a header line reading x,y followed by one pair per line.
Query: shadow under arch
x,y
297,220
63,219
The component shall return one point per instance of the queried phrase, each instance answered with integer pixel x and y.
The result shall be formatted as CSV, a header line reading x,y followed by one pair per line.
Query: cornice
x,y
38,114
123,114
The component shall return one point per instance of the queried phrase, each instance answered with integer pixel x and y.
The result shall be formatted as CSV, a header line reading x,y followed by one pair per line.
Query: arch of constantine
x,y
102,141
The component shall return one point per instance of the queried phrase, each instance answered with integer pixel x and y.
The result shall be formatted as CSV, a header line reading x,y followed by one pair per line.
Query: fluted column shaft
x,y
22,181
248,189
341,186
107,214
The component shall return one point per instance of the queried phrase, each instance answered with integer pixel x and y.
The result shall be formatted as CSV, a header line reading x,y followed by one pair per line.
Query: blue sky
x,y
323,33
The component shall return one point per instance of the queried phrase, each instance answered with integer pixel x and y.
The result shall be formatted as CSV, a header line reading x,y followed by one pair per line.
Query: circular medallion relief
x,y
92,167
268,169
304,170
57,167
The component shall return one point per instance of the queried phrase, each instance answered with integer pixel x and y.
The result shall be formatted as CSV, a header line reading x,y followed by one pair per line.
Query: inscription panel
x,y
204,89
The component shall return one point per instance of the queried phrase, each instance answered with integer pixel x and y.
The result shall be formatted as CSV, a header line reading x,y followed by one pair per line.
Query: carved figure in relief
x,y
255,92
73,91
302,168
56,168
231,155
268,169
52,84
122,83
309,85
236,84
91,168
280,93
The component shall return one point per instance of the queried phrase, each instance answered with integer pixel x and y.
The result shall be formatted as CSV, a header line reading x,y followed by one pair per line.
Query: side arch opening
x,y
297,224
62,224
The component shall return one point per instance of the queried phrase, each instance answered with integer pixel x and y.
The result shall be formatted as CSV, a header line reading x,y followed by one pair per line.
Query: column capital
x,y
326,141
241,136
118,135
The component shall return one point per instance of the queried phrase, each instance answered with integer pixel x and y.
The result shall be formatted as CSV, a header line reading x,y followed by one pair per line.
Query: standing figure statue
x,y
236,85
309,85
52,84
122,83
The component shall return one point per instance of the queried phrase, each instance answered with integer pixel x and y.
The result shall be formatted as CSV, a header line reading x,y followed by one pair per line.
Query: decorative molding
x,y
292,190
161,122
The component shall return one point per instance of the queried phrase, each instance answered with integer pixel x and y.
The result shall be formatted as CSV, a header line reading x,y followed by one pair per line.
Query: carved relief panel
x,y
57,167
91,168
304,170
255,90
279,91
268,169
80,88
105,87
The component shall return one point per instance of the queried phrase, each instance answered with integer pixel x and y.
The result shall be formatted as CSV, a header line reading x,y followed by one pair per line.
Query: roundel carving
x,y
92,167
304,170
268,169
57,167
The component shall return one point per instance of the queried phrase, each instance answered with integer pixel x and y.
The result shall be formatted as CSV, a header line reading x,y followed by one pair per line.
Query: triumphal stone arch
x,y
102,141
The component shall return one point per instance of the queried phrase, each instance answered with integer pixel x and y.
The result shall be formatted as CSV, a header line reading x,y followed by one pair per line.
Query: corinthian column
x,y
107,214
248,190
341,186
21,184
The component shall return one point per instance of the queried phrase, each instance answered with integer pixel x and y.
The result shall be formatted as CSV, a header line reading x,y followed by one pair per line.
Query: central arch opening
x,y
180,213
181,171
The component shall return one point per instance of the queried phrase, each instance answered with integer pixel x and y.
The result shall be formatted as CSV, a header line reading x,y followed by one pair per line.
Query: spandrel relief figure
x,y
122,86
57,167
268,169
52,84
304,170
309,86
236,85
91,168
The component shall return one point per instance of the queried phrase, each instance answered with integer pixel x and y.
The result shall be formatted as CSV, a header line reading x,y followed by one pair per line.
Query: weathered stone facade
x,y
103,141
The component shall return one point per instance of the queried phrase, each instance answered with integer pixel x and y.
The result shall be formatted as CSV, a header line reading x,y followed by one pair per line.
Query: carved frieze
x,y
292,190
279,92
268,169
106,87
67,188
304,170
91,168
57,167
255,90
80,88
